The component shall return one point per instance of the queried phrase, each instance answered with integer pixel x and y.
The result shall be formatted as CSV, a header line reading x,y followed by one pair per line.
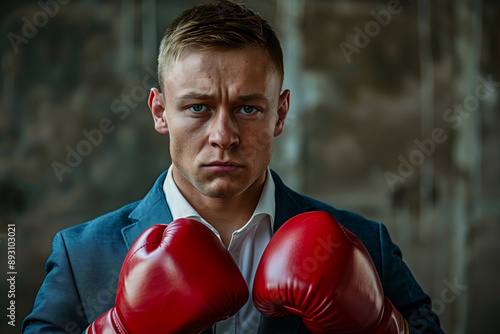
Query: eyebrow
x,y
196,96
252,97
202,96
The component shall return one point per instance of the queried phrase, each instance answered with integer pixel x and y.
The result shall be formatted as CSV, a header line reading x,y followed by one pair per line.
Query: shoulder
x,y
110,224
104,228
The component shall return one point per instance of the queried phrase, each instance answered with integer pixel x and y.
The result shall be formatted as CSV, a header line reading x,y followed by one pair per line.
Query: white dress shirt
x,y
246,247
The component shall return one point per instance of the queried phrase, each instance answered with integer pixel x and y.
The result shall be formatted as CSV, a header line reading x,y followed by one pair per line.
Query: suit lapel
x,y
153,209
288,202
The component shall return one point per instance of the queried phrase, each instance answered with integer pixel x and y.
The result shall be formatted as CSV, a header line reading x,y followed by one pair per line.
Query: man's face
x,y
222,110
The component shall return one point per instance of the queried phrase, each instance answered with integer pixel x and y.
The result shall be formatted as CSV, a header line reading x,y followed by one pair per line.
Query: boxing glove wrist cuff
x,y
406,327
108,323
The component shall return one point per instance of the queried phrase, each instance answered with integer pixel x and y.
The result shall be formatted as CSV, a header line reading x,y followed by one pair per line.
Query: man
x,y
221,104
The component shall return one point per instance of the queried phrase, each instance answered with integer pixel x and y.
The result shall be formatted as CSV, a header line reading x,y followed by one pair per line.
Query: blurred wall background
x,y
395,110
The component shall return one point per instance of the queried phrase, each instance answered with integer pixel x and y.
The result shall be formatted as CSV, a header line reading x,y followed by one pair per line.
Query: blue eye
x,y
248,110
197,108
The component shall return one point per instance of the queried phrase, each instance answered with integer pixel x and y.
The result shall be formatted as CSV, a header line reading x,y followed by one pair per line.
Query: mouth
x,y
223,166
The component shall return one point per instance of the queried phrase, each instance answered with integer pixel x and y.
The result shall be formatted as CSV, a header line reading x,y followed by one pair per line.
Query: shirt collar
x,y
181,208
267,205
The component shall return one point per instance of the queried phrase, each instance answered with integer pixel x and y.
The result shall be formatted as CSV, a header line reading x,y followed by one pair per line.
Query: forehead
x,y
245,66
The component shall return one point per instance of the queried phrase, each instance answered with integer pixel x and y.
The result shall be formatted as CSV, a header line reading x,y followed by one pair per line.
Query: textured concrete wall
x,y
392,117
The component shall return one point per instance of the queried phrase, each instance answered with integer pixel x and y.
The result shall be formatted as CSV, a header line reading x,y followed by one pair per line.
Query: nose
x,y
223,130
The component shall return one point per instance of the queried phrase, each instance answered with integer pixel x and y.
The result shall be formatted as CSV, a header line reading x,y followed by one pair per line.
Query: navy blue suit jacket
x,y
82,271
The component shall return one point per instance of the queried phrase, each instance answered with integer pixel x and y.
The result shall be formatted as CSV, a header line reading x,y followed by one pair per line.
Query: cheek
x,y
185,142
259,144
178,142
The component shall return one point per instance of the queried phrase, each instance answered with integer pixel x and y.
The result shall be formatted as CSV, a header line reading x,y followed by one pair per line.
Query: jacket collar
x,y
153,208
288,202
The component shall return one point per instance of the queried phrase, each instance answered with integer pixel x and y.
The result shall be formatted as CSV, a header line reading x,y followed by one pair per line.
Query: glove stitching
x,y
138,249
117,323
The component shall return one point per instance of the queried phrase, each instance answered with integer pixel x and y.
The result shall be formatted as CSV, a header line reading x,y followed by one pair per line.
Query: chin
x,y
218,193
221,191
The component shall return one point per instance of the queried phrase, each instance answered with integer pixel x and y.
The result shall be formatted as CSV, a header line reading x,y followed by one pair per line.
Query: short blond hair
x,y
218,25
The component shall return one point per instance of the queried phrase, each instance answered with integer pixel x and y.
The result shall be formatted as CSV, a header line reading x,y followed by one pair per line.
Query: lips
x,y
223,166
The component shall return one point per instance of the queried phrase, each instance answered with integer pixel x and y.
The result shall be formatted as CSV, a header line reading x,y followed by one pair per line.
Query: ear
x,y
283,107
156,104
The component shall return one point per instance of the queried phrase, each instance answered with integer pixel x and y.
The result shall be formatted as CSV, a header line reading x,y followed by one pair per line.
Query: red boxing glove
x,y
176,278
315,268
